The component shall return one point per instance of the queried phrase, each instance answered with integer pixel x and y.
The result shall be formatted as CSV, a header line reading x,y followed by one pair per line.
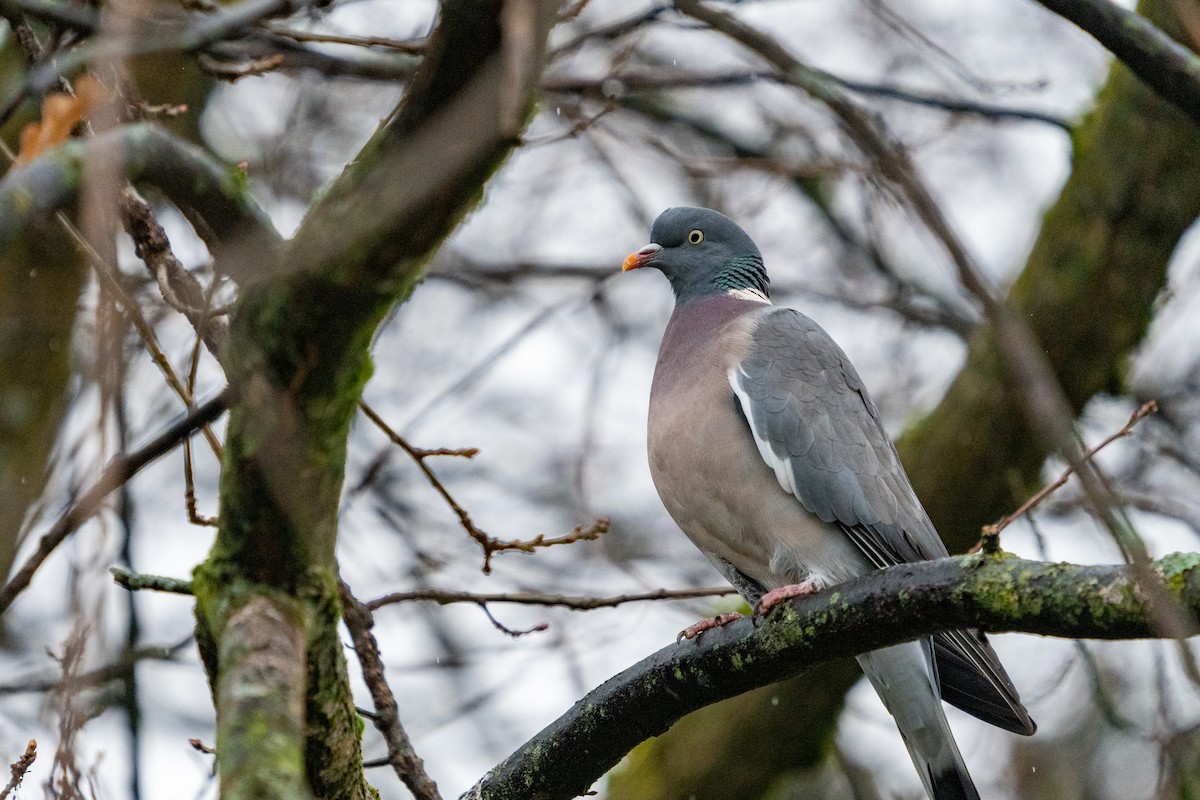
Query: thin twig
x,y
993,530
100,675
611,31
179,288
407,764
411,46
575,603
138,581
189,490
120,469
223,70
489,544
133,312
20,767
635,80
513,632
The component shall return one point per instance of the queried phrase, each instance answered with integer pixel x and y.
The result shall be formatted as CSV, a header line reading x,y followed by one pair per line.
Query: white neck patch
x,y
749,294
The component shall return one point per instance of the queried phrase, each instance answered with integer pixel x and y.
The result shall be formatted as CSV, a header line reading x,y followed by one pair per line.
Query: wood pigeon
x,y
768,452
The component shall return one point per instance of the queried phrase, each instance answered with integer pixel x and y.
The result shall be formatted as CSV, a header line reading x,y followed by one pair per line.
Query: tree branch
x,y
408,765
1163,64
445,597
119,470
1002,593
211,195
299,351
657,79
260,699
488,543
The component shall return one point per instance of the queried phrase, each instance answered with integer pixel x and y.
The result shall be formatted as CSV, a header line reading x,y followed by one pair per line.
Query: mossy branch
x,y
298,350
41,276
1158,60
260,700
211,195
996,593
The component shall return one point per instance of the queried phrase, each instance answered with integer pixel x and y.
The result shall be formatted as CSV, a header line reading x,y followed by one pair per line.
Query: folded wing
x,y
816,426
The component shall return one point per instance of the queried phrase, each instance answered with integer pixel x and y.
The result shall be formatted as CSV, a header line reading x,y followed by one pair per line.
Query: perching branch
x,y
887,607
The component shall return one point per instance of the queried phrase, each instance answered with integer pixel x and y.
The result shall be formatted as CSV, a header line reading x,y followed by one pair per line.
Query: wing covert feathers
x,y
816,426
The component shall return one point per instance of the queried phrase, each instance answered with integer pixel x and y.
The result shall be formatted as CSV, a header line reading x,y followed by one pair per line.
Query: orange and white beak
x,y
641,258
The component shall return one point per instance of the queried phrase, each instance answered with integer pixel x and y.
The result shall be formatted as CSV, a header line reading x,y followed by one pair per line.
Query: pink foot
x,y
777,596
692,631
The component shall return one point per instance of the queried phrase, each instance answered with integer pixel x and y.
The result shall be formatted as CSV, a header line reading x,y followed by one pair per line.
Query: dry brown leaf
x,y
61,113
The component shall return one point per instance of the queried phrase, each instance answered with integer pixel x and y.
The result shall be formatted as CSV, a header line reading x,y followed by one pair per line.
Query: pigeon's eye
x,y
696,236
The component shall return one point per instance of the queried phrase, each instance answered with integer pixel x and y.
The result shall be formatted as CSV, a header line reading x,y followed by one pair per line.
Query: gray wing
x,y
817,428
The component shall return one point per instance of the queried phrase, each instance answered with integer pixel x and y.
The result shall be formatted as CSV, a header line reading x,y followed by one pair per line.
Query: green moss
x,y
997,591
1177,567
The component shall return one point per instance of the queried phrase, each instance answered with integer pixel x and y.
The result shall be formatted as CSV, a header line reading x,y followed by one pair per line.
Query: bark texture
x,y
298,352
995,592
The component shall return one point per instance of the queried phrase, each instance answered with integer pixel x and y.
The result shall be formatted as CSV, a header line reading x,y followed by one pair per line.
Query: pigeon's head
x,y
702,252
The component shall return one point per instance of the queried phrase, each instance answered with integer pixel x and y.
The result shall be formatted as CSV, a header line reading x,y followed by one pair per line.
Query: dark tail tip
x,y
952,784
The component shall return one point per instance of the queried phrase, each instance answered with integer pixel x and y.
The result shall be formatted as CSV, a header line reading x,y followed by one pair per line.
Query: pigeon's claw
x,y
692,631
777,596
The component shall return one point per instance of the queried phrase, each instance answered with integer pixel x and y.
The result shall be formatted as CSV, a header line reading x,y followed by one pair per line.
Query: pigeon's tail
x,y
904,677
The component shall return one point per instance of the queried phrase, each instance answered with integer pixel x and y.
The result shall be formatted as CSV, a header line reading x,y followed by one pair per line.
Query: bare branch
x,y
489,544
19,768
129,308
1162,63
407,764
992,531
635,80
119,469
101,675
575,603
179,288
410,46
514,633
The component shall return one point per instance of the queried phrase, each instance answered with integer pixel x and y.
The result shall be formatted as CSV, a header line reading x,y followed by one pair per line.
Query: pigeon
x,y
767,450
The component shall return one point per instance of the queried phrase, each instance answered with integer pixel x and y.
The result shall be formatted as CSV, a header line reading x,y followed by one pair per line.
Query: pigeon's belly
x,y
715,485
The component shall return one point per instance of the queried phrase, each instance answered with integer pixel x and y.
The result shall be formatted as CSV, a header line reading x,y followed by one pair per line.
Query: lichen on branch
x,y
995,593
